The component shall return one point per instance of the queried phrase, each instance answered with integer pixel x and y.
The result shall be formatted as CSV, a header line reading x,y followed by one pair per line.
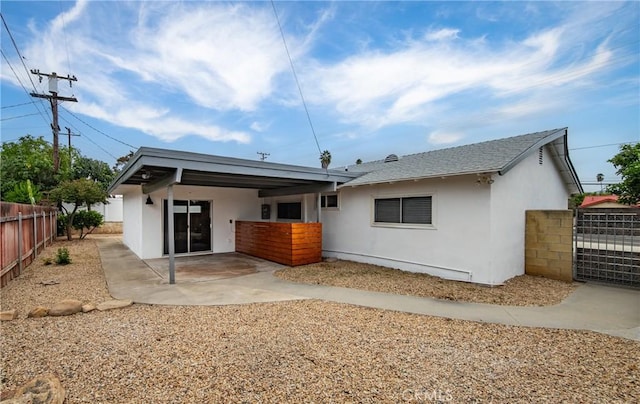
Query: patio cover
x,y
154,169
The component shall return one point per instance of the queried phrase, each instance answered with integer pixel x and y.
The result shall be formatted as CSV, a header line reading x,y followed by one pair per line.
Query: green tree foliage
x,y
122,161
31,158
627,163
99,171
87,219
80,192
24,192
325,159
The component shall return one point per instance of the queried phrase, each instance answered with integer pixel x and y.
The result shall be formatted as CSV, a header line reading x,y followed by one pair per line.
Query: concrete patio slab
x,y
609,310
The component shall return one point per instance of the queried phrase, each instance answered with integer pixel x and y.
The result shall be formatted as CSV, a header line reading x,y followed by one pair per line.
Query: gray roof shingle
x,y
491,156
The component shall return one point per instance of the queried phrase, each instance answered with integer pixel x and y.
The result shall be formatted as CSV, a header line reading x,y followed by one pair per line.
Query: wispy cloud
x,y
213,56
173,69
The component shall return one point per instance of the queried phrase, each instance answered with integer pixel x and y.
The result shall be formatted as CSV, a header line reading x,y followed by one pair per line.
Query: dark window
x,y
413,210
329,201
290,210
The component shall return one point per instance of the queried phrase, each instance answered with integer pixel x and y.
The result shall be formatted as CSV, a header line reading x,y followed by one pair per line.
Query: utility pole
x,y
53,100
263,155
69,134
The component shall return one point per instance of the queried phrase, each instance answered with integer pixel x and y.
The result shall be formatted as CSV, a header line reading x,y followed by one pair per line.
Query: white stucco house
x,y
458,213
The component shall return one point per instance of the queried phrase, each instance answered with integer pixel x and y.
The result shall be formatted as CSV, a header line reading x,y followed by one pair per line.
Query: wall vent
x,y
540,155
390,158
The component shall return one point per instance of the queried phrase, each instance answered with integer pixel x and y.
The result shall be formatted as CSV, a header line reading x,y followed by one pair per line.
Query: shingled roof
x,y
495,156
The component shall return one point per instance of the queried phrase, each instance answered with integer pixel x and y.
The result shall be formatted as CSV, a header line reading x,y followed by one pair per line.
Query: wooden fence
x,y
25,231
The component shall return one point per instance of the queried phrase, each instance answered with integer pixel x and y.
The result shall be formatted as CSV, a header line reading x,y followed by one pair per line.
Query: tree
x,y
627,163
80,192
122,161
87,219
99,171
325,159
31,158
600,178
24,192
359,161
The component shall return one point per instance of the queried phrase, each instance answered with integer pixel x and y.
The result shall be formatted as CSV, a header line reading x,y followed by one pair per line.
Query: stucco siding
x,y
527,186
132,220
228,205
455,248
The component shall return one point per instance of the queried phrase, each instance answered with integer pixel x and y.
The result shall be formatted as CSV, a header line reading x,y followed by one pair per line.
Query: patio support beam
x,y
319,207
298,190
173,178
172,236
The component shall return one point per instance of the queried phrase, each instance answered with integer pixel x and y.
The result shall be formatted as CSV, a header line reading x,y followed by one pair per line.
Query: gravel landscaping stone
x,y
522,290
296,351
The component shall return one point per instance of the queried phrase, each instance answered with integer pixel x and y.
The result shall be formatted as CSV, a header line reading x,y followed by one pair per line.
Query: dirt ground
x,y
300,351
522,290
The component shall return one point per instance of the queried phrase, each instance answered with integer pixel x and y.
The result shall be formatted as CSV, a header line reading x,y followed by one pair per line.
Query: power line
x,y
17,105
22,85
85,136
602,145
64,34
19,116
295,76
18,51
98,130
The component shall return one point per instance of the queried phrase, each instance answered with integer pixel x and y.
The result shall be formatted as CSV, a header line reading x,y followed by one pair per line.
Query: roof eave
x,y
427,177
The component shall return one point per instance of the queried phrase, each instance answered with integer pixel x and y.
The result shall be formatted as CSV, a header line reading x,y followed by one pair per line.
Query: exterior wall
x,y
309,206
549,244
112,212
527,186
457,247
228,205
143,230
132,230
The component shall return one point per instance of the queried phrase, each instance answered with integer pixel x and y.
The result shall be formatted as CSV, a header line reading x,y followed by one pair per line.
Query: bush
x,y
87,219
62,257
61,225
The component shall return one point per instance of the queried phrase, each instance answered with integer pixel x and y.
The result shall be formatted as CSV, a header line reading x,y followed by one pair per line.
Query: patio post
x,y
319,207
172,236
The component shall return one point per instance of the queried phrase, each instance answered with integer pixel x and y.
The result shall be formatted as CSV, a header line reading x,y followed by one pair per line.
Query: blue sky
x,y
377,77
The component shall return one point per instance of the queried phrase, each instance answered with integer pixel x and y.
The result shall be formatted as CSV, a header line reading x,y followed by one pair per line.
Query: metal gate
x,y
607,246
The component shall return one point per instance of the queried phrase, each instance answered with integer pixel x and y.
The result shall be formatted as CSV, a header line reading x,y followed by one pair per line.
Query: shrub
x,y
87,219
61,224
62,257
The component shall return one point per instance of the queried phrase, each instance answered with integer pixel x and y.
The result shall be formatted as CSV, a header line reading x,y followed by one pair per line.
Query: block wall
x,y
549,244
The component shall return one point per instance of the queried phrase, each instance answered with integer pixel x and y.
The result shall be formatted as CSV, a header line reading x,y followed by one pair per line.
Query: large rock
x,y
39,311
114,304
45,389
8,315
66,308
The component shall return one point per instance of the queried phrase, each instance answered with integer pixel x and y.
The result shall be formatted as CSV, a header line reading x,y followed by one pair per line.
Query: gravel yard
x,y
302,351
522,290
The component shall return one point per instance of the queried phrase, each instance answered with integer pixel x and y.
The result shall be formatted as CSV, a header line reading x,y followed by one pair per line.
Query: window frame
x,y
286,219
324,199
431,226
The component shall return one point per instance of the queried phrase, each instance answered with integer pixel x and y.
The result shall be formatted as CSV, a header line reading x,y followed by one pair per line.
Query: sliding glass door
x,y
192,226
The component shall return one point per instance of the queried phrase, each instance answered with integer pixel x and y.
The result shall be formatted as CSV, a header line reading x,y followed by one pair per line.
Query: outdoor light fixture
x,y
484,180
149,201
146,175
